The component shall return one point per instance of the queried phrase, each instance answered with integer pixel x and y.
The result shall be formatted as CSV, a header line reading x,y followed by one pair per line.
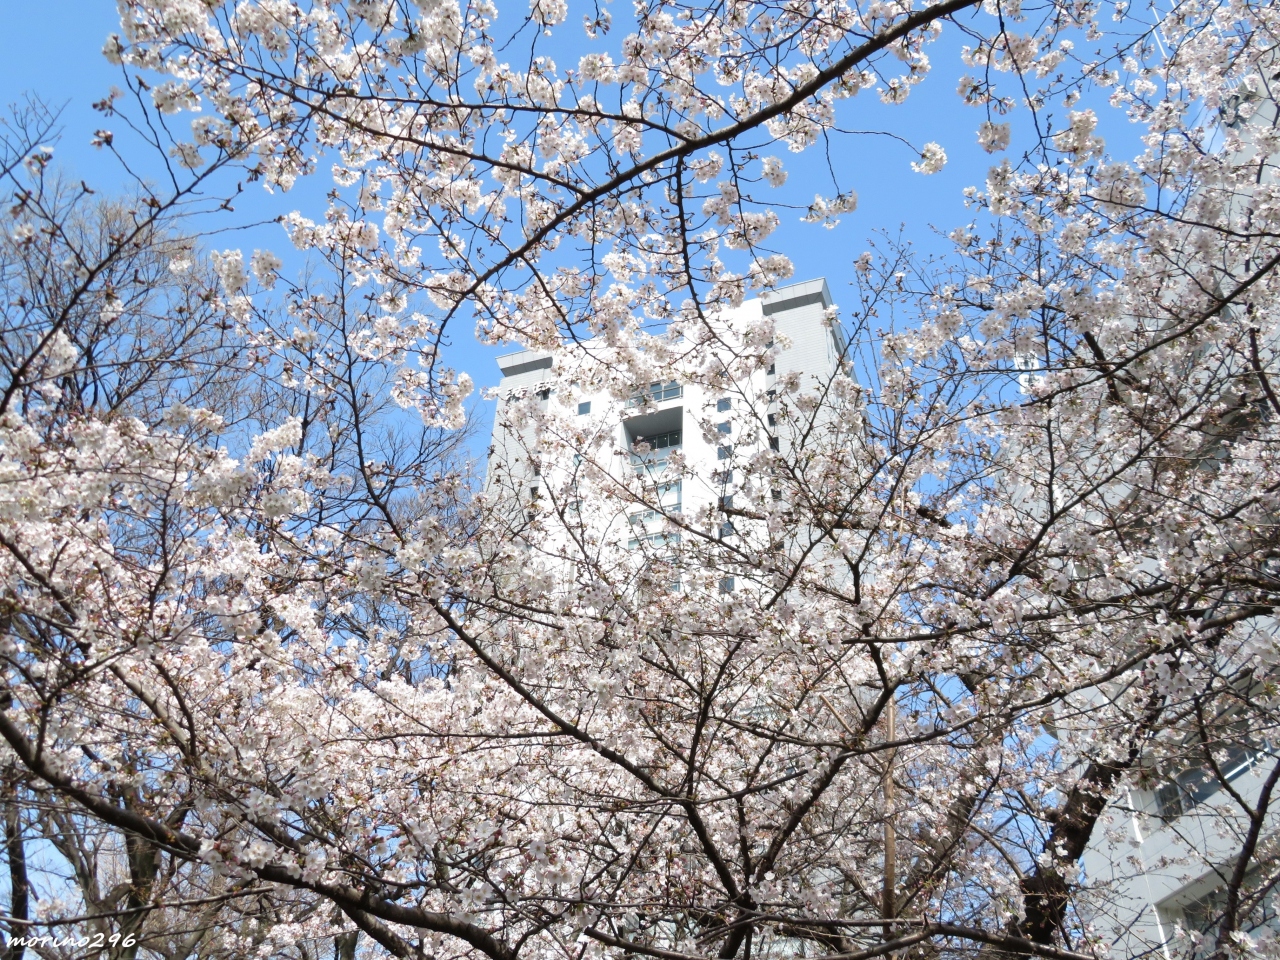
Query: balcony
x,y
660,447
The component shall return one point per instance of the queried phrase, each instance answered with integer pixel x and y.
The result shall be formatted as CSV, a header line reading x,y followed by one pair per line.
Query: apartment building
x,y
1161,853
636,434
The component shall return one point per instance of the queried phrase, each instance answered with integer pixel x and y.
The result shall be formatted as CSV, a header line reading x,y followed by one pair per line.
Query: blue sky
x,y
53,49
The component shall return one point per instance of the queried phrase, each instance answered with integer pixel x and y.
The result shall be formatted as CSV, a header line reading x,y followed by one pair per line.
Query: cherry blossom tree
x,y
1012,562
120,356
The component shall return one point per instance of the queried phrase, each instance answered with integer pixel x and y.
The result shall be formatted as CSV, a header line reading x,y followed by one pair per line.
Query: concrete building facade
x,y
639,433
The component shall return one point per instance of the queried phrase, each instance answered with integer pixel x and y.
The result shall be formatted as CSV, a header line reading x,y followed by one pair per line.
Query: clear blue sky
x,y
53,49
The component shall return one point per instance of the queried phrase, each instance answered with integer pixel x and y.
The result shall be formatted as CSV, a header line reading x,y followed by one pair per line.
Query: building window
x,y
726,530
773,419
654,540
667,496
722,477
584,407
726,502
726,584
1193,786
544,393
1258,909
772,369
645,516
661,446
661,441
656,392
1187,789
723,427
724,452
773,444
723,404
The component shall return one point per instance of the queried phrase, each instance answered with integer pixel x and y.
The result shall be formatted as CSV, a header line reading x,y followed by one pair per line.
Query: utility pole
x,y
889,899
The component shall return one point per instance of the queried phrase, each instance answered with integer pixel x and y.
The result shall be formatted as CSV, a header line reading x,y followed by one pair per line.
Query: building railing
x,y
661,441
660,447
656,392
646,516
655,540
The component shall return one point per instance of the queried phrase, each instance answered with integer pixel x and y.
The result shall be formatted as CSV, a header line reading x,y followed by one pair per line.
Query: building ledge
x,y
513,364
795,296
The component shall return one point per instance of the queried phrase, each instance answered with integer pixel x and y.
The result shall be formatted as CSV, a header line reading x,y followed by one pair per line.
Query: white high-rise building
x,y
1161,853
636,434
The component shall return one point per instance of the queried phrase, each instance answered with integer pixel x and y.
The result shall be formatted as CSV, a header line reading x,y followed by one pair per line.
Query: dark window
x,y
584,407
724,452
723,405
1193,786
773,444
777,494
773,419
544,393
772,368
661,441
1258,909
